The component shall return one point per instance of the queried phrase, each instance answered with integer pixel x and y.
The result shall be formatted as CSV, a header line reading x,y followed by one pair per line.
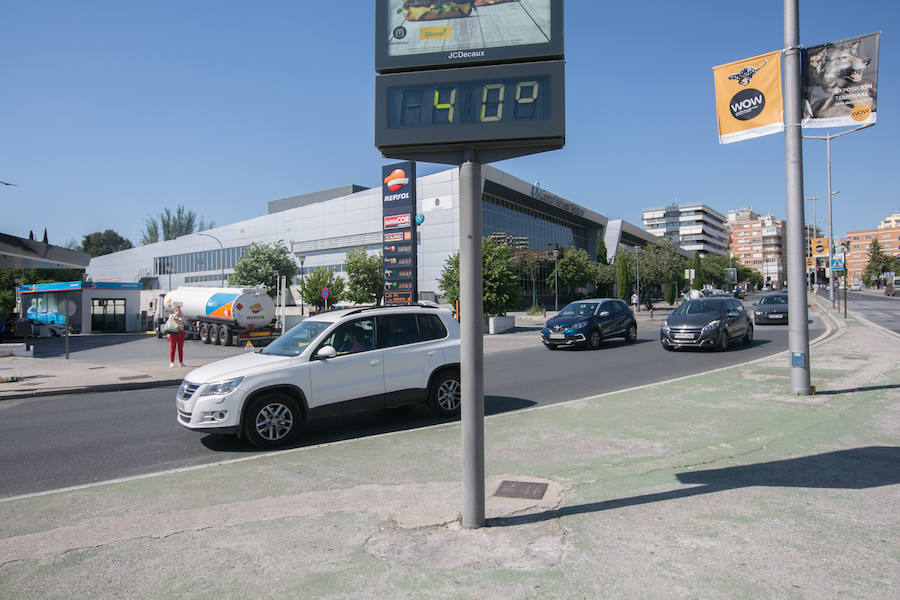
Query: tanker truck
x,y
227,316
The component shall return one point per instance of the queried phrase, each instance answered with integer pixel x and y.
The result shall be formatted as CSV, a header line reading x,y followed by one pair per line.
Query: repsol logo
x,y
457,55
747,104
400,196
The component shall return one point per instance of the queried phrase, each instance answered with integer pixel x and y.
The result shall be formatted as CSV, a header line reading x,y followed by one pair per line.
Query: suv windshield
x,y
296,339
700,307
774,300
578,309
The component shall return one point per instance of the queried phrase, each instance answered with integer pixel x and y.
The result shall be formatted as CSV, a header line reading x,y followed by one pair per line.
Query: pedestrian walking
x,y
175,330
634,302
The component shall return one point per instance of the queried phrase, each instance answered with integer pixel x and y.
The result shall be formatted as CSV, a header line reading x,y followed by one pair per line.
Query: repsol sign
x,y
747,104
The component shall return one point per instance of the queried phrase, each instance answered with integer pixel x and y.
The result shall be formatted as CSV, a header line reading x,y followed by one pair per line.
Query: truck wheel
x,y
204,334
272,420
213,334
224,335
444,394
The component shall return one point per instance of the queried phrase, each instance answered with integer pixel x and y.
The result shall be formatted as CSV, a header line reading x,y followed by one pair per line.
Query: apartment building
x,y
891,221
759,242
859,243
693,227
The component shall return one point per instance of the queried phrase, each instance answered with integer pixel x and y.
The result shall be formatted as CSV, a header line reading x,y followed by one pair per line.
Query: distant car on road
x,y
588,323
772,308
706,323
856,286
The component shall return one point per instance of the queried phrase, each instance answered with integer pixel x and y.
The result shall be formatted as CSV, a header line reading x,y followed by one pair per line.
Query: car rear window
x,y
397,330
431,328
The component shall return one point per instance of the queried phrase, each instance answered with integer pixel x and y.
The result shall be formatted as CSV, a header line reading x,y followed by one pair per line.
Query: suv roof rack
x,y
420,304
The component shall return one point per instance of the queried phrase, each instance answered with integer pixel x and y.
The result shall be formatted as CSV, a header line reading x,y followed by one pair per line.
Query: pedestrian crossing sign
x,y
837,263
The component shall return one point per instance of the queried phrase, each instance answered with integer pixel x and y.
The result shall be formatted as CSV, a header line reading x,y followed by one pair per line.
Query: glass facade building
x,y
524,228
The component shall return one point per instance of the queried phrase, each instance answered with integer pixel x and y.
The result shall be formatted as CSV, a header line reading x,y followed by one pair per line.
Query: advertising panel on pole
x,y
748,98
414,34
820,246
840,82
398,195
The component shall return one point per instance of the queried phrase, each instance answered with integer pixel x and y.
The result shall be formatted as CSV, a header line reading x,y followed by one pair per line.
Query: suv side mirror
x,y
603,313
326,352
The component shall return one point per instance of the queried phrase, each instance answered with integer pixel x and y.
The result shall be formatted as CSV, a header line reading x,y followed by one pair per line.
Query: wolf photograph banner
x,y
748,98
840,81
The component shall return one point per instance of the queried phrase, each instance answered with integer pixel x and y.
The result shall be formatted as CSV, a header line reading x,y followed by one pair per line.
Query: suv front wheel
x,y
445,393
272,420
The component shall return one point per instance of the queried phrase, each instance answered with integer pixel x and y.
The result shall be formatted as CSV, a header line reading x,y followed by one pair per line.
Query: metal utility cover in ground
x,y
521,489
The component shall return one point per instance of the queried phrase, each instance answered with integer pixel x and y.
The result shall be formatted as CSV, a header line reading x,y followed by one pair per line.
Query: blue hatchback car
x,y
588,323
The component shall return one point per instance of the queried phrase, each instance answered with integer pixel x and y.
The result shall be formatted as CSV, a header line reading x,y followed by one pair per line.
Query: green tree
x,y
696,265
574,267
365,276
312,284
499,279
662,266
604,276
105,242
878,263
172,224
264,264
530,264
714,266
602,257
150,235
622,287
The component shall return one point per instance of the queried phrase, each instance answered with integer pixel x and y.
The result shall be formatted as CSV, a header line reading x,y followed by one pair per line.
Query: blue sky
x,y
112,111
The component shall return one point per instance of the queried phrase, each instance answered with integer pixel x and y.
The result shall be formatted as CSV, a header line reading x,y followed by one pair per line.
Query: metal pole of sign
x,y
68,315
637,258
798,328
828,137
471,342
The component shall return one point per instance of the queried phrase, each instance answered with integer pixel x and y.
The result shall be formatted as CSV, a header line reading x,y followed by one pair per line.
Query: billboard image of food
x,y
427,26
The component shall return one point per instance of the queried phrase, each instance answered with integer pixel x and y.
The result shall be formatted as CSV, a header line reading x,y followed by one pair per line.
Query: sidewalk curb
x,y
87,389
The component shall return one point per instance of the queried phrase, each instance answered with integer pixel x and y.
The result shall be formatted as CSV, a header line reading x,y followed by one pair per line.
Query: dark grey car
x,y
773,308
706,323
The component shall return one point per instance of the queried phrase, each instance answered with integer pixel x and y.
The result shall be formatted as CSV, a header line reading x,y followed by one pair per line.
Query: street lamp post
x,y
302,259
222,258
555,278
828,137
815,224
637,258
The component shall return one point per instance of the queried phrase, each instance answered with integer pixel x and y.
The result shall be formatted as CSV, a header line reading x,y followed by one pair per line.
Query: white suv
x,y
331,363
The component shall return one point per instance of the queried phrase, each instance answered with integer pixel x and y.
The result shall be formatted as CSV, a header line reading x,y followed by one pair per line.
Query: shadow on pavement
x,y
855,469
869,388
363,424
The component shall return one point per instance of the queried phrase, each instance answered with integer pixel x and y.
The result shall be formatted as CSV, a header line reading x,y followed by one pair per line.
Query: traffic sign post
x,y
325,297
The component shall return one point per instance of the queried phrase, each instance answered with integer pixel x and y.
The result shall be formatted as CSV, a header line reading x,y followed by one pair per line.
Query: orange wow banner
x,y
748,98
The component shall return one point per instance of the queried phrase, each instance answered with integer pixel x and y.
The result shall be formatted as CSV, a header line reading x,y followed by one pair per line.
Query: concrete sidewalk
x,y
722,485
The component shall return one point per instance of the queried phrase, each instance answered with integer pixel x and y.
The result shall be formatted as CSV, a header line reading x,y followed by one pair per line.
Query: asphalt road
x,y
54,442
874,306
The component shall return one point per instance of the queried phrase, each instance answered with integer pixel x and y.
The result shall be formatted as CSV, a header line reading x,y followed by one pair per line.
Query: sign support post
x,y
471,342
798,329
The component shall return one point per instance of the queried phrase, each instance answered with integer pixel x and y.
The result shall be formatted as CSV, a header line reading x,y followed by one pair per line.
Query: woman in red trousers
x,y
176,340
